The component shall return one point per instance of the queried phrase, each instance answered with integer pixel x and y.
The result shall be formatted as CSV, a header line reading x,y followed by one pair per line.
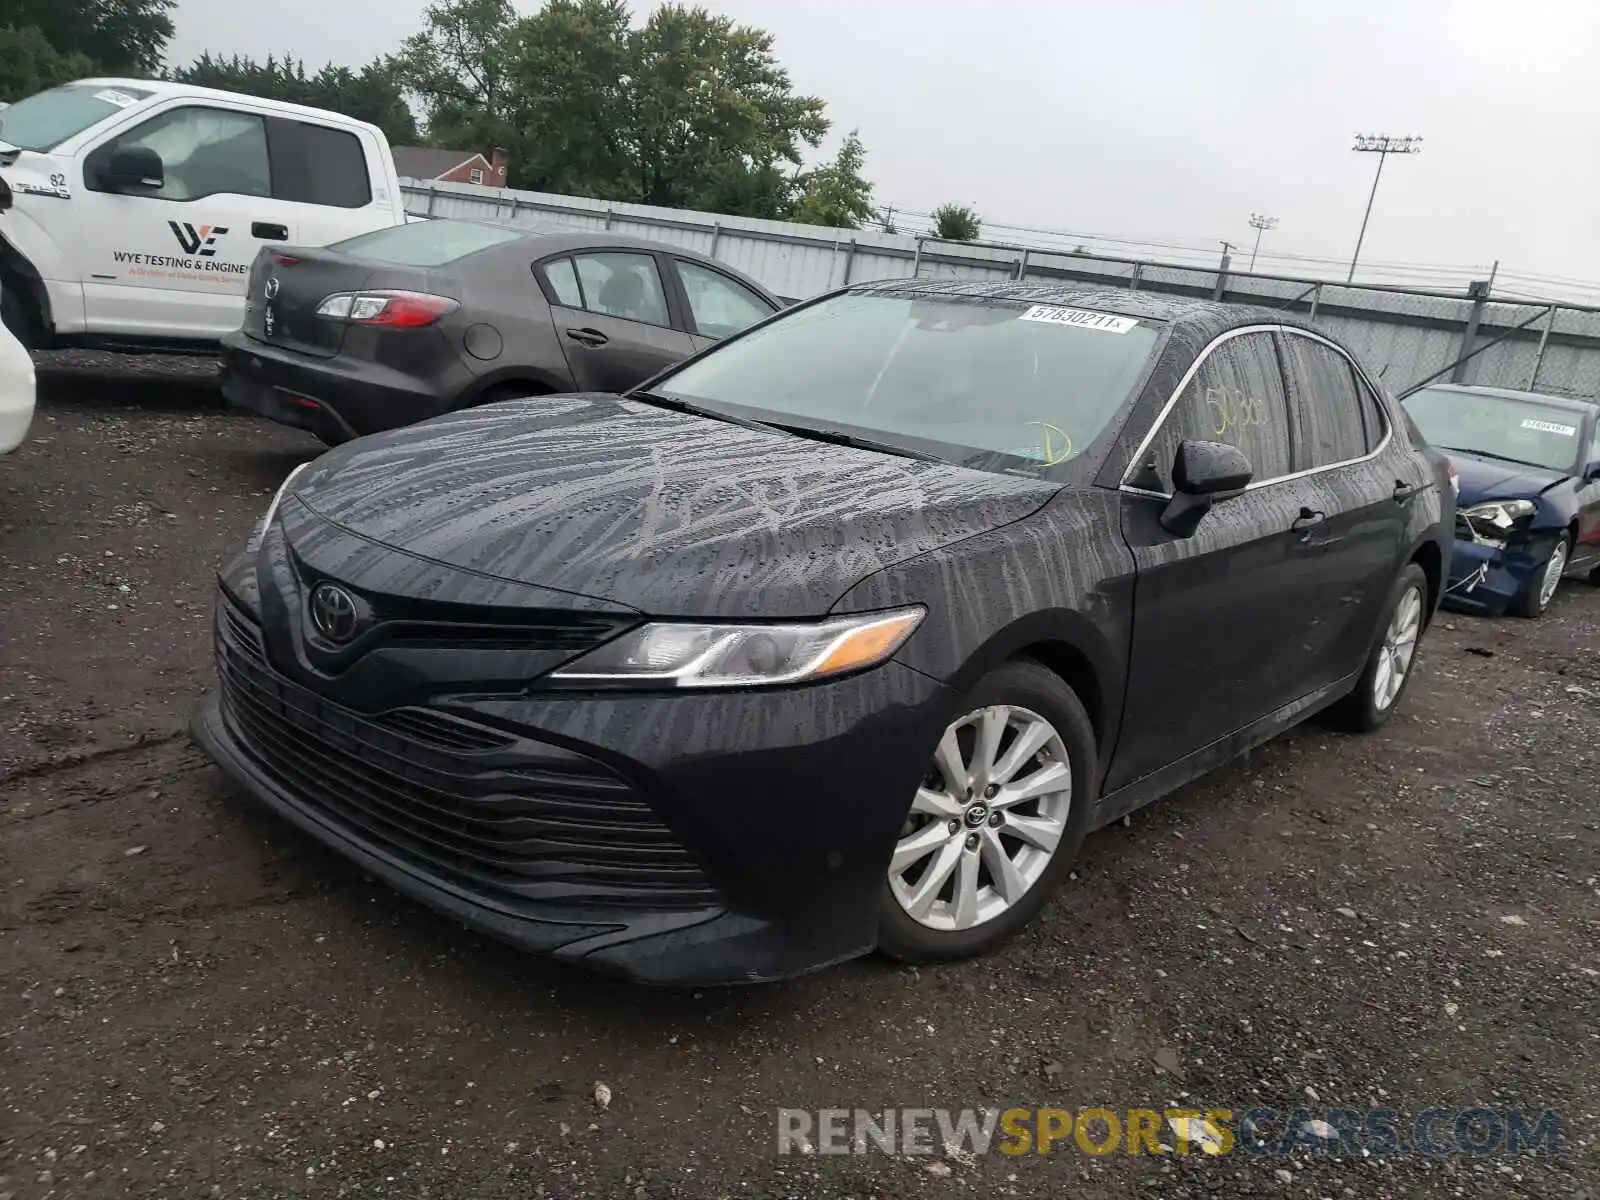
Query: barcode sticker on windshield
x,y
120,99
1079,318
1551,427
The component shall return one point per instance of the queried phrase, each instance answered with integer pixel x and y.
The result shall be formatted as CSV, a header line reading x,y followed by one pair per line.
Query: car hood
x,y
1491,479
667,513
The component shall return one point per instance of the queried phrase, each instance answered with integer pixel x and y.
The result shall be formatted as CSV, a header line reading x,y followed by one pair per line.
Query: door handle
x,y
588,337
268,232
1306,522
1403,491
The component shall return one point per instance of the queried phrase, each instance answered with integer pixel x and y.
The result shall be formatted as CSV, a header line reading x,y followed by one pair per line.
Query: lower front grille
x,y
513,820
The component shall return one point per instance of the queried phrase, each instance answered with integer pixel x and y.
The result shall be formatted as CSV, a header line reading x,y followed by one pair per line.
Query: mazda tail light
x,y
388,310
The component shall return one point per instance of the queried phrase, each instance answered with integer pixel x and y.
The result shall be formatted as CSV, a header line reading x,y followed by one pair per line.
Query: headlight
x,y
683,655
1502,514
265,523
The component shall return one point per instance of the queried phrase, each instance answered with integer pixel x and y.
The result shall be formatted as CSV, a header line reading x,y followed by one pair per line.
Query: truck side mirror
x,y
134,167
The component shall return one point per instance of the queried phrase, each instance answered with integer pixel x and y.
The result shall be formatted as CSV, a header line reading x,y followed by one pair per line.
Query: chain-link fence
x,y
1404,336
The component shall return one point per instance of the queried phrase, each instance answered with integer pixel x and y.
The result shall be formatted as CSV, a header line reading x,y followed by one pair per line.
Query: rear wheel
x,y
1535,597
997,821
1388,669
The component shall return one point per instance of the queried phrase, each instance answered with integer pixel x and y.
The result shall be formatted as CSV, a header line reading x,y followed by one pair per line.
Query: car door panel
x,y
1225,618
1588,496
1362,497
175,261
619,333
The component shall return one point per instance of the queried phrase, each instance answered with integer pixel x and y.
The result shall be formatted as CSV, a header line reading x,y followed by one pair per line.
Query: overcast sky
x,y
1165,120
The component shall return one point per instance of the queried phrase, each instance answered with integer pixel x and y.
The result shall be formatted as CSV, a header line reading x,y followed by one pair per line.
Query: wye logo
x,y
197,239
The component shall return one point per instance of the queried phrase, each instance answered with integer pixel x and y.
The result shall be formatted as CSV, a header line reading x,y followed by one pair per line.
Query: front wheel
x,y
1536,595
1388,668
997,821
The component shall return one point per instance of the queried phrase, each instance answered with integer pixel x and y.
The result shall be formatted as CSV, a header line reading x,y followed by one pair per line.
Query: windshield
x,y
996,384
426,243
44,121
1499,426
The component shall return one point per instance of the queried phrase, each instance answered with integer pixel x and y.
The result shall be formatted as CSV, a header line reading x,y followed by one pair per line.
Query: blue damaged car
x,y
1528,509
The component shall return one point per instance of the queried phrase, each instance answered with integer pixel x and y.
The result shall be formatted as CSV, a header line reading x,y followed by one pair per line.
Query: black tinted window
x,y
1236,397
313,164
1322,387
425,243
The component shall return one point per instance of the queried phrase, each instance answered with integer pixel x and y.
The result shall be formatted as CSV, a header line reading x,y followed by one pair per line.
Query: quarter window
x,y
204,152
1372,416
1327,406
316,164
720,306
563,280
623,285
1235,397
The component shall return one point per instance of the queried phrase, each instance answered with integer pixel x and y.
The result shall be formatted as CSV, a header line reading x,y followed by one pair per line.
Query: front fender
x,y
29,251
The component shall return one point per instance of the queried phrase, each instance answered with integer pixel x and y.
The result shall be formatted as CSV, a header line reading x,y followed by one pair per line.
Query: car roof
x,y
541,242
1571,403
160,88
1205,315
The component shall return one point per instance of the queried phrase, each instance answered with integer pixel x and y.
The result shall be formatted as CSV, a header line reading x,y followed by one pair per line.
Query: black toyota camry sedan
x,y
838,636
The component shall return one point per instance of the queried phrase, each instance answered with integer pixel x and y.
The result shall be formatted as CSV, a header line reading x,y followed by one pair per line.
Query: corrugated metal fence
x,y
1404,335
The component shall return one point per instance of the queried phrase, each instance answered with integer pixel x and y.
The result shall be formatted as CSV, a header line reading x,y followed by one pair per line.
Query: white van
x,y
131,210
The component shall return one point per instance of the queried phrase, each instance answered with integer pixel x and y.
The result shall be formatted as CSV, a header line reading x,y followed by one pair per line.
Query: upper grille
x,y
513,820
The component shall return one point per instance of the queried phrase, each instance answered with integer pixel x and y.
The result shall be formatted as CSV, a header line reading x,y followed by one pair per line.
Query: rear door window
x,y
1236,396
1329,424
719,306
317,164
562,277
623,284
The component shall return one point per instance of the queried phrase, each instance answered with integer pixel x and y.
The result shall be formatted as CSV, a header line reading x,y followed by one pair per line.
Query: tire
x,y
1533,600
1361,711
1040,705
17,313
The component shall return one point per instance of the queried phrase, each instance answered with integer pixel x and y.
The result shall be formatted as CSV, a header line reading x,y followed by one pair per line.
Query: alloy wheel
x,y
986,821
1399,645
1553,570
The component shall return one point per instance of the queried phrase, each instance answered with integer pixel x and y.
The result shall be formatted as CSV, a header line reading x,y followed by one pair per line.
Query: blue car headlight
x,y
1501,515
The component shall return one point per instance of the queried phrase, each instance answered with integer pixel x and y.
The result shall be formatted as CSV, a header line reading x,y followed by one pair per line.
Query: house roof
x,y
424,162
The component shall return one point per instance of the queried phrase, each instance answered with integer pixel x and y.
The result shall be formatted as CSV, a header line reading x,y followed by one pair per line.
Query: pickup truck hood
x,y
669,514
1491,479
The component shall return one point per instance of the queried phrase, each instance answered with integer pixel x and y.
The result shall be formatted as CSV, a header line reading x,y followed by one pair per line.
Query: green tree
x,y
837,194
956,223
690,110
708,98
374,94
118,37
29,64
458,67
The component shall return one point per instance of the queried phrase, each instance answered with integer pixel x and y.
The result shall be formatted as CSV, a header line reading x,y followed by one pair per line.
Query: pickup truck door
x,y
172,261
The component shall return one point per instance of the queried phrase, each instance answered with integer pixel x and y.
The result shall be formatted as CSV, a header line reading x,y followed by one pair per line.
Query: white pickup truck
x,y
131,210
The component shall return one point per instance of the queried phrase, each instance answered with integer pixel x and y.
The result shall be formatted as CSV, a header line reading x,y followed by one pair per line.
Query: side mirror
x,y
1592,471
134,167
1202,473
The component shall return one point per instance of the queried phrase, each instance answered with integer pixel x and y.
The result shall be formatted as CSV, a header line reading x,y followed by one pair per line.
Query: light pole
x,y
1382,145
1261,224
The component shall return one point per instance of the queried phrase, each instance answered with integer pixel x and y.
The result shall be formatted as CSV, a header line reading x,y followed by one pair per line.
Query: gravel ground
x,y
198,1001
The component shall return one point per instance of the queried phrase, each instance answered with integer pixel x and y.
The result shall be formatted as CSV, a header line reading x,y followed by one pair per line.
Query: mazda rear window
x,y
426,243
994,384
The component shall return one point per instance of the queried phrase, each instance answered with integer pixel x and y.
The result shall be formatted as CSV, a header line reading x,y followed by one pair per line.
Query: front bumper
x,y
688,839
335,398
1485,578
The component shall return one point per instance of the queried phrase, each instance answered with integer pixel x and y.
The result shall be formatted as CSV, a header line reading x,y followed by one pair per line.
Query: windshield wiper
x,y
839,437
696,410
1521,462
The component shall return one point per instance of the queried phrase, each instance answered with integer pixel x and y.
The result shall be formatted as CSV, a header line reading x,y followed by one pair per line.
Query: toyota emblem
x,y
333,612
271,290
